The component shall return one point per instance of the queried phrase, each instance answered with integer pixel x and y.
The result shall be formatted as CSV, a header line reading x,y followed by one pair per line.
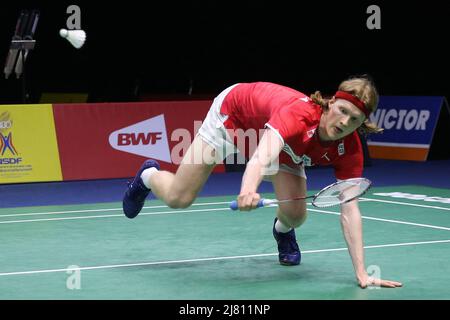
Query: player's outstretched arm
x,y
265,155
351,223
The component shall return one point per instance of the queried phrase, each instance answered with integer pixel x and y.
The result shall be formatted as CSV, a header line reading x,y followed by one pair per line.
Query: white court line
x,y
98,210
388,220
212,258
216,209
113,215
406,204
195,204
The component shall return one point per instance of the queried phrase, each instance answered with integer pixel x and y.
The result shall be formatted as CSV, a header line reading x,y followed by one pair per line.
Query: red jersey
x,y
295,118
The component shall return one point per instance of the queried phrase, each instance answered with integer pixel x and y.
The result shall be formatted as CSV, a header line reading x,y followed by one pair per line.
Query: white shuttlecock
x,y
75,37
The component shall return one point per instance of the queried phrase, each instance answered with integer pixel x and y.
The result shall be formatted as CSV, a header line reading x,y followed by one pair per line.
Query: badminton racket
x,y
337,193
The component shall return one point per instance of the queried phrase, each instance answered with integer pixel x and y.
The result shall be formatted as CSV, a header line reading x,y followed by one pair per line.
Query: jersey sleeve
x,y
350,165
286,123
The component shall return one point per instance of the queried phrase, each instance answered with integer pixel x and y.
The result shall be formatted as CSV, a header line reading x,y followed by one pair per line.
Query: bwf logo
x,y
126,139
147,138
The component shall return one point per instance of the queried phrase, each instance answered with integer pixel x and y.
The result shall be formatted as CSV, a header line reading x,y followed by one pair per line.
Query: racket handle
x,y
261,203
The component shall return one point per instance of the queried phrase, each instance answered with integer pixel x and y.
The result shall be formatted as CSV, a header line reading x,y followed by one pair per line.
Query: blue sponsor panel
x,y
408,121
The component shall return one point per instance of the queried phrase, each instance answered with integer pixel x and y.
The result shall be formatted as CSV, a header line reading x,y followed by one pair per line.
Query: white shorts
x,y
215,134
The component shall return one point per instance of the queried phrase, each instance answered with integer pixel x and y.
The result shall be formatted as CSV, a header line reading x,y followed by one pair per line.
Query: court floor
x,y
92,251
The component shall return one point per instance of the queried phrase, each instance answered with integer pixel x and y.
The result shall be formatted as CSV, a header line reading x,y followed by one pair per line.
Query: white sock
x,y
280,227
145,176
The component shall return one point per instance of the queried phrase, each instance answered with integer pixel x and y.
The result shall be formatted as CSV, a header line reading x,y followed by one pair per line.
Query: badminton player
x,y
297,131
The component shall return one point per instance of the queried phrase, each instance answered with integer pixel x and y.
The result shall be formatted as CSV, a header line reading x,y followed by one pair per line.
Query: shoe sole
x,y
289,264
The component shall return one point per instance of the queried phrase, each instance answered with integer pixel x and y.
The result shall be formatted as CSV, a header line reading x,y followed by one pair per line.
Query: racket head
x,y
340,192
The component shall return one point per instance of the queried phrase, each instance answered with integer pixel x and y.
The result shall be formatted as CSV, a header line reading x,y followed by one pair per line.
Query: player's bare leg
x,y
289,186
179,190
176,190
290,215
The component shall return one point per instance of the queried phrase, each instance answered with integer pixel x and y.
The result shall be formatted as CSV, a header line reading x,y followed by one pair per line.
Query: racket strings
x,y
341,192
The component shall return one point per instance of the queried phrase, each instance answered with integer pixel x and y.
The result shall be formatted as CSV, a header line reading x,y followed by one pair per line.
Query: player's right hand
x,y
369,281
248,200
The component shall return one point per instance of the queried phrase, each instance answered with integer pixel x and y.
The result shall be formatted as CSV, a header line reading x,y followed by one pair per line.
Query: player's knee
x,y
175,201
299,219
296,215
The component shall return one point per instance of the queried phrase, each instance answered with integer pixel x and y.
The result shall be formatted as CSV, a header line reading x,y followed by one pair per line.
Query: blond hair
x,y
364,89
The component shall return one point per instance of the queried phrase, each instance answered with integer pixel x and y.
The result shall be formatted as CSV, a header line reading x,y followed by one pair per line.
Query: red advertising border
x,y
83,132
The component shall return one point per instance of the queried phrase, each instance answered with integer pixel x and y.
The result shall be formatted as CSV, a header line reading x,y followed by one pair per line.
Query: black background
x,y
164,47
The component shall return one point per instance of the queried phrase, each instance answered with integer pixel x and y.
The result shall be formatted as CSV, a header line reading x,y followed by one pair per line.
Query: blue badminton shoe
x,y
134,198
288,251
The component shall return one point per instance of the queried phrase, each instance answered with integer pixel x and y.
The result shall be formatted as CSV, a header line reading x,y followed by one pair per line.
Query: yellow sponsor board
x,y
28,145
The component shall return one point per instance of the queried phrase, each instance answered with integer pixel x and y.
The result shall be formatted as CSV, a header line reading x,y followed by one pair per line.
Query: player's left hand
x,y
366,281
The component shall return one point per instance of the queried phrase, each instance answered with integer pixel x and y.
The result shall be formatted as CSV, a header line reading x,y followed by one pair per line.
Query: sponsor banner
x,y
28,147
111,140
409,124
